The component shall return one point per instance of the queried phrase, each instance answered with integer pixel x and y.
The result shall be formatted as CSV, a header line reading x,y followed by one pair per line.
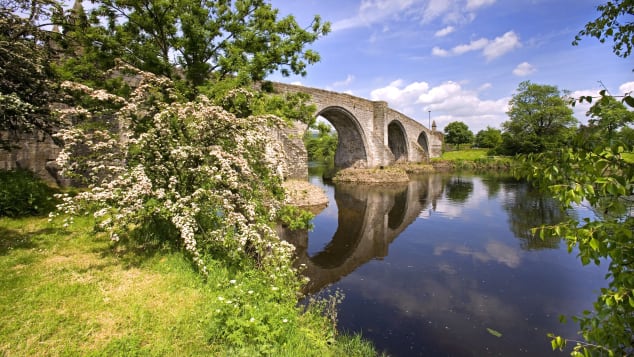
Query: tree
x,y
488,138
321,146
613,22
607,124
236,38
539,119
27,82
599,173
458,133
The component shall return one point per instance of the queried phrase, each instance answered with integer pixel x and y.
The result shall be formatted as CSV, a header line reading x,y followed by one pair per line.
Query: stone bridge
x,y
371,134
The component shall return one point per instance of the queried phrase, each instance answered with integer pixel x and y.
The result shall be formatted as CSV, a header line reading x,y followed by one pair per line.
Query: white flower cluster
x,y
210,173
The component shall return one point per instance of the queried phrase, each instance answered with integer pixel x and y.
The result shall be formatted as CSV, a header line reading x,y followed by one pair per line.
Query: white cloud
x,y
379,11
398,97
349,79
445,31
490,48
501,45
627,87
448,102
374,11
474,45
437,51
436,8
524,69
580,109
494,251
476,4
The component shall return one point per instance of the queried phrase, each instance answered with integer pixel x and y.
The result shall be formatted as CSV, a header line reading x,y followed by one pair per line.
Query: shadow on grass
x,y
11,239
155,237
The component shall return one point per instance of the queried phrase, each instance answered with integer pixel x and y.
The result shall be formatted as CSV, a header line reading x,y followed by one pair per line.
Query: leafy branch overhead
x,y
614,22
243,38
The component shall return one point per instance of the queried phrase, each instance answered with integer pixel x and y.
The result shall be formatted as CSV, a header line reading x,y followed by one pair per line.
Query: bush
x,y
23,194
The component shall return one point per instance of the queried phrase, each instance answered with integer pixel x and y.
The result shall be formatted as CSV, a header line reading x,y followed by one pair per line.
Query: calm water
x,y
441,265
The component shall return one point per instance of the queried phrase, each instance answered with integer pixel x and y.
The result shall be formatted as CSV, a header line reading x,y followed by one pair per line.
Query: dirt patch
x,y
376,175
305,195
443,166
419,169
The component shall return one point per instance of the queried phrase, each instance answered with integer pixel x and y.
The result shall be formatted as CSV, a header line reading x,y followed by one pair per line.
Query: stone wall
x,y
295,153
32,151
37,152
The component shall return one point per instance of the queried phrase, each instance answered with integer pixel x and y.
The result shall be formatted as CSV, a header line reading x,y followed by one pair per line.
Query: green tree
x,y
601,174
539,119
458,133
227,38
488,138
607,119
27,82
322,145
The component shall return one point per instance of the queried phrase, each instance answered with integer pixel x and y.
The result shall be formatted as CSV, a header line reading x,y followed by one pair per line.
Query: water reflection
x,y
528,208
459,189
369,219
465,261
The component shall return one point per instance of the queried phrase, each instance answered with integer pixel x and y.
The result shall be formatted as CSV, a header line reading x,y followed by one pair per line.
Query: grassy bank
x,y
471,159
67,291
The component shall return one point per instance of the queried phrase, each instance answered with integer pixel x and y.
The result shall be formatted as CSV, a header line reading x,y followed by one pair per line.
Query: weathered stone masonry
x,y
370,133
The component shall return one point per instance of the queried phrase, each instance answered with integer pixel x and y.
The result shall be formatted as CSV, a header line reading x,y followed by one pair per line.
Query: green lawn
x,y
67,291
469,154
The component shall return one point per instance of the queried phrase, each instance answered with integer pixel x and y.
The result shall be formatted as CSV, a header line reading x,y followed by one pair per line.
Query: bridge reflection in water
x,y
370,219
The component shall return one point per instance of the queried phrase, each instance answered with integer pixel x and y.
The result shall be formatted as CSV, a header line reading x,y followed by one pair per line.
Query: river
x,y
446,265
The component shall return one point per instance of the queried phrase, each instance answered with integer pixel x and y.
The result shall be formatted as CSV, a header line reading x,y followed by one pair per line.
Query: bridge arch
x,y
423,141
397,140
352,146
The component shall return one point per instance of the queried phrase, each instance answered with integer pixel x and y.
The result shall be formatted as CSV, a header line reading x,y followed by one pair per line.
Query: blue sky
x,y
460,59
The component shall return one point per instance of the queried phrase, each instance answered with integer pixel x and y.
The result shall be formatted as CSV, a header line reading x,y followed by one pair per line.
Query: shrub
x,y
212,177
23,194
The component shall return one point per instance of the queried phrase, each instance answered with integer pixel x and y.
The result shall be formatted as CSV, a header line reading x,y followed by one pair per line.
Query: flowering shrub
x,y
214,177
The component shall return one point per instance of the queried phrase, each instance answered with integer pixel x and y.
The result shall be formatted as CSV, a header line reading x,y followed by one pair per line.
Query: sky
x,y
457,60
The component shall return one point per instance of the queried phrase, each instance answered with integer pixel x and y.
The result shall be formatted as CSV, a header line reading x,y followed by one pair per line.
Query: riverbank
x,y
304,195
68,291
402,172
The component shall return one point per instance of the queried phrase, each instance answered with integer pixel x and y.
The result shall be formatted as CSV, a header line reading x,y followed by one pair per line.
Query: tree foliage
x,y
614,22
322,145
607,124
488,138
241,38
539,120
458,133
604,178
27,82
598,170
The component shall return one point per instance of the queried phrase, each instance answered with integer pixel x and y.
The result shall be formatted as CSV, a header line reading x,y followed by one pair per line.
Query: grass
x,y
469,154
68,291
